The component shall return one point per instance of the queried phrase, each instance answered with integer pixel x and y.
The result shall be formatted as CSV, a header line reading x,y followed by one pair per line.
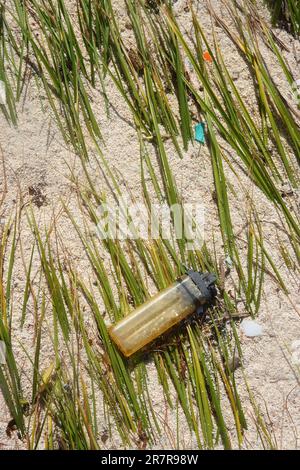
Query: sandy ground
x,y
38,166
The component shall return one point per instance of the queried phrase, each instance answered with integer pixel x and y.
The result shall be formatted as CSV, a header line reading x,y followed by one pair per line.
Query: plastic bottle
x,y
163,311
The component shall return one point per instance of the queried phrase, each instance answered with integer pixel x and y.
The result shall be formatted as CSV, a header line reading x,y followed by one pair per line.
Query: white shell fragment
x,y
251,328
2,93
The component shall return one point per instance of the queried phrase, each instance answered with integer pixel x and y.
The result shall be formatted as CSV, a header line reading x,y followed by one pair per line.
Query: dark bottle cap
x,y
205,283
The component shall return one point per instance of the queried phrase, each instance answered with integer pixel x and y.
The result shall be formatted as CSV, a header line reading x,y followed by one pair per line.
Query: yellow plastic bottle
x,y
163,311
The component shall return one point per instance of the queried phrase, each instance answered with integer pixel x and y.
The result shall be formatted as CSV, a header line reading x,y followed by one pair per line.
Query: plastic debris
x,y
199,132
163,311
2,93
207,56
251,328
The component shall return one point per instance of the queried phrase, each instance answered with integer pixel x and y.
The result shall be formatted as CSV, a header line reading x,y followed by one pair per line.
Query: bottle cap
x,y
205,283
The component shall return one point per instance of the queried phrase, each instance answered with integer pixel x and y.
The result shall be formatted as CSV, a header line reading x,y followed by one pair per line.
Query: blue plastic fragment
x,y
199,132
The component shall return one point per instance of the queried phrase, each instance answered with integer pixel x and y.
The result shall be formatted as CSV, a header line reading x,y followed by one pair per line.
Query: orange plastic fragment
x,y
207,56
